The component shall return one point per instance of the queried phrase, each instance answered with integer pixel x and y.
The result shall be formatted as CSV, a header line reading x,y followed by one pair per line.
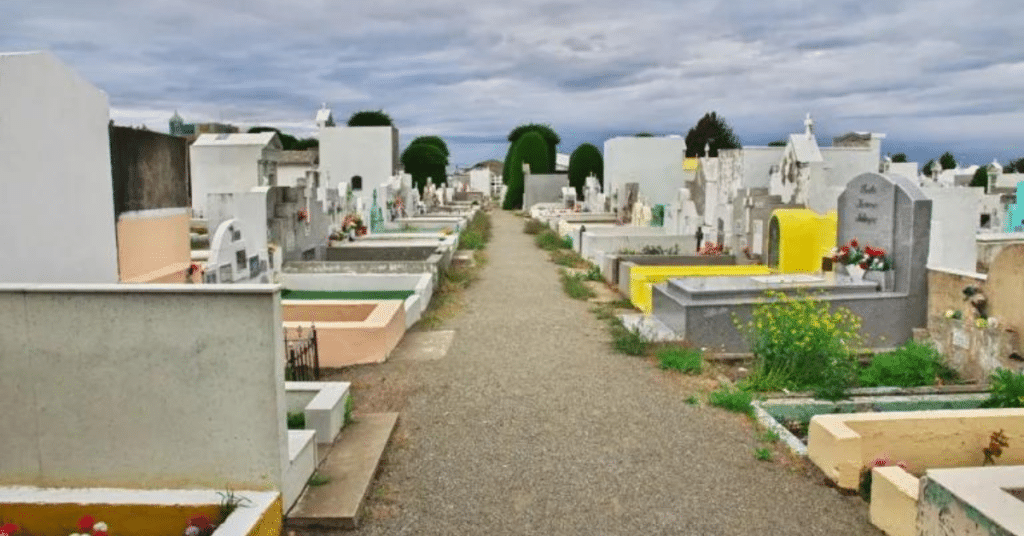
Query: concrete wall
x,y
894,501
954,220
153,246
218,169
149,169
592,245
989,246
843,444
656,164
56,197
369,152
155,387
543,189
639,279
975,501
349,332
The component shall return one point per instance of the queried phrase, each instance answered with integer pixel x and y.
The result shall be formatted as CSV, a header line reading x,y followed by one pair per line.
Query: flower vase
x,y
855,272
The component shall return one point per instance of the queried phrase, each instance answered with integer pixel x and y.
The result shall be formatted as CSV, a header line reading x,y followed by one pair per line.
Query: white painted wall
x,y
655,163
291,174
369,152
187,391
480,180
955,214
56,193
221,168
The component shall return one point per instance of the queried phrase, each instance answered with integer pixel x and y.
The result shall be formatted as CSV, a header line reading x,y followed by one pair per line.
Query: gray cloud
x,y
942,72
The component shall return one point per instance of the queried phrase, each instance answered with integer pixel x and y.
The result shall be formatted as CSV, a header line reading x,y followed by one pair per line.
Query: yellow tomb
x,y
642,278
798,238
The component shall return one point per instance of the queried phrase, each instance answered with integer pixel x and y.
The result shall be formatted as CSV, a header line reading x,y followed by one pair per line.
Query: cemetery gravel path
x,y
533,425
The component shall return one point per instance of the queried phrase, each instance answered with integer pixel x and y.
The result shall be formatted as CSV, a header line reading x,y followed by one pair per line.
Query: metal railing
x,y
303,360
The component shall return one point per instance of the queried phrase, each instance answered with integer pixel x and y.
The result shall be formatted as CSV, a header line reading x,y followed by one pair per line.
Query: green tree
x,y
980,178
710,130
370,118
545,131
513,178
435,141
305,144
927,169
424,161
899,158
947,161
643,135
1014,166
530,149
778,143
583,162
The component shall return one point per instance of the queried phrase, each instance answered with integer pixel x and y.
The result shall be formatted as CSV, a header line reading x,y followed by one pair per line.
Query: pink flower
x,y
86,523
853,243
881,461
9,529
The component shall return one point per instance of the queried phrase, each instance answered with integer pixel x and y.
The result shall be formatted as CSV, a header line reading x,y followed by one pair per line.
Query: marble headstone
x,y
891,212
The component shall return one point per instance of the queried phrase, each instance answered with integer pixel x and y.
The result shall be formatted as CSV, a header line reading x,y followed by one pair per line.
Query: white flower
x,y
993,322
192,530
99,526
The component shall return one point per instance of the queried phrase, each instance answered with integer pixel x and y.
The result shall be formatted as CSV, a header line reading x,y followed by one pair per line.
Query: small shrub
x,y
549,240
763,454
731,399
911,365
692,400
569,259
769,436
532,226
594,273
800,342
1006,390
296,420
566,243
686,360
575,287
628,341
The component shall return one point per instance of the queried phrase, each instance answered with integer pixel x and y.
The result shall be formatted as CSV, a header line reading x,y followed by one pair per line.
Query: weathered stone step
x,y
350,467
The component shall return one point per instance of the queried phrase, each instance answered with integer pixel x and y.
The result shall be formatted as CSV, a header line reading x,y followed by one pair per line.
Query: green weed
x,y
628,341
911,365
296,420
692,400
532,226
736,400
1006,390
769,436
686,360
318,479
575,287
763,454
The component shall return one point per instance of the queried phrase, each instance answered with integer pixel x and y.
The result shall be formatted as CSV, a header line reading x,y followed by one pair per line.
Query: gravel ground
x,y
533,425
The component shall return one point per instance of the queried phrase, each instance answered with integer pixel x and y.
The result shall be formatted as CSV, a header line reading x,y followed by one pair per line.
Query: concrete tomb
x,y
884,211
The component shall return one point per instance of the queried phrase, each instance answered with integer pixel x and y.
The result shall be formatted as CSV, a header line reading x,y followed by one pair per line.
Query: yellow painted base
x,y
894,501
642,278
57,511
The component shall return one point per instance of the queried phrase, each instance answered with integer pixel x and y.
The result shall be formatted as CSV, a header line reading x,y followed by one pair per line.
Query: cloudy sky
x,y
933,75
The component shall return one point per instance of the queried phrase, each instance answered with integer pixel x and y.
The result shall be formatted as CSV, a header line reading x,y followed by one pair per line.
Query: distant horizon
x,y
496,145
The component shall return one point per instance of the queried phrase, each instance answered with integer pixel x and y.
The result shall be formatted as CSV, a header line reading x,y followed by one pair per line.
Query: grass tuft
x,y
575,287
685,360
532,226
732,399
763,454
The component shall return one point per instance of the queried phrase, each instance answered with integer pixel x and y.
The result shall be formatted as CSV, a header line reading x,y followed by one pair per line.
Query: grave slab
x,y
424,346
350,467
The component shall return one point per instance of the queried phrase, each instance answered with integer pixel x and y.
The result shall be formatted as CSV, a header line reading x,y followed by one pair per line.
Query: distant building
x,y
231,163
178,127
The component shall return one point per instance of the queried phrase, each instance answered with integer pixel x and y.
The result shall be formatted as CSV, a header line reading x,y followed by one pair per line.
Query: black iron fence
x,y
303,361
